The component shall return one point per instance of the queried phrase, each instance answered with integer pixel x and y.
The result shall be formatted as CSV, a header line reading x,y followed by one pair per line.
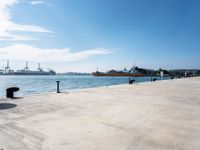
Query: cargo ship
x,y
133,72
26,71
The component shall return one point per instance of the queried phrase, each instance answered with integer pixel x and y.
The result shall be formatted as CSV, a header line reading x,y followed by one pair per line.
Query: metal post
x,y
58,86
161,75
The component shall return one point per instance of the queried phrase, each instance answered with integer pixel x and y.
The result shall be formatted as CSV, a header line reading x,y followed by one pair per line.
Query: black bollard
x,y
58,86
131,81
10,92
154,79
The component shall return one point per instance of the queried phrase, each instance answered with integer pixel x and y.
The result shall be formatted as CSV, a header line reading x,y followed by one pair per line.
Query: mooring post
x,y
130,81
10,92
58,86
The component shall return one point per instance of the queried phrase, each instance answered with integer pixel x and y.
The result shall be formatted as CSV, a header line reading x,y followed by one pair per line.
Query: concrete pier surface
x,y
162,115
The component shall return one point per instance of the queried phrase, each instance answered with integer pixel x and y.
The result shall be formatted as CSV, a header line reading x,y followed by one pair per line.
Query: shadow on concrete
x,y
4,106
17,98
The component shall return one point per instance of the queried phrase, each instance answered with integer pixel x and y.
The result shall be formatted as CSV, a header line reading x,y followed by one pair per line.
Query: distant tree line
x,y
172,73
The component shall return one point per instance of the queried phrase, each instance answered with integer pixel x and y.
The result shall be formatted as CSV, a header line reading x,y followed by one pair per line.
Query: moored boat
x,y
118,74
133,72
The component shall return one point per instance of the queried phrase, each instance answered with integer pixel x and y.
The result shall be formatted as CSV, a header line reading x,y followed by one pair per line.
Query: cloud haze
x,y
20,52
37,2
8,27
19,34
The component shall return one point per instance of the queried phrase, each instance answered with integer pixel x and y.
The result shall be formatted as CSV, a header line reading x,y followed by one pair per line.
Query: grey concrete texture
x,y
162,115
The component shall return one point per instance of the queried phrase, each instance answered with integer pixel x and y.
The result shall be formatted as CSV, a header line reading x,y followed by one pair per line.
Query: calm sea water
x,y
39,84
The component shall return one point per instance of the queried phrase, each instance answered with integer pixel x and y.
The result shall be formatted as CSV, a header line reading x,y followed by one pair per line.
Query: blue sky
x,y
81,35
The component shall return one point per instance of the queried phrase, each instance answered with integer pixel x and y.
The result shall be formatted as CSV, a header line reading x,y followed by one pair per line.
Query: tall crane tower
x,y
39,68
26,68
7,68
